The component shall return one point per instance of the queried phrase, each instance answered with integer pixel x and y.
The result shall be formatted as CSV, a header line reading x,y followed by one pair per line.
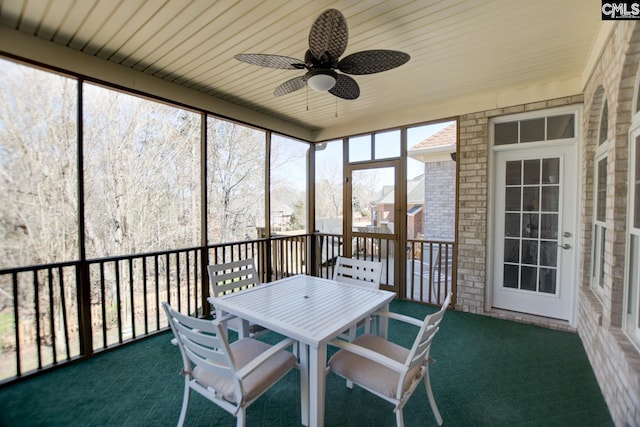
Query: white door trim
x,y
576,143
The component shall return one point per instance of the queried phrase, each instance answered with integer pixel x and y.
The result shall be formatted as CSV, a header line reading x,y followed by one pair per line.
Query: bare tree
x,y
141,194
329,192
236,177
38,213
37,167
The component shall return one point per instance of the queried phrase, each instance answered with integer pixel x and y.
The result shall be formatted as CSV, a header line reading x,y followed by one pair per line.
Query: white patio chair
x,y
233,375
231,277
357,272
389,370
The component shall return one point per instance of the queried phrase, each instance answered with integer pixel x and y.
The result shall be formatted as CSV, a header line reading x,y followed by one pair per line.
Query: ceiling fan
x,y
328,40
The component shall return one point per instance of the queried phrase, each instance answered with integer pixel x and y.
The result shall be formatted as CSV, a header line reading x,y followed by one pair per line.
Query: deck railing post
x,y
83,286
204,261
313,252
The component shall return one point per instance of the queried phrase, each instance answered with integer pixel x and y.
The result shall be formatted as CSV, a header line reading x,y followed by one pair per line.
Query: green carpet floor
x,y
488,372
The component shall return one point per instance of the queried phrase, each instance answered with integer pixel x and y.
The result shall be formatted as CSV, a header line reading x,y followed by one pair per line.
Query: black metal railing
x,y
430,270
429,267
50,314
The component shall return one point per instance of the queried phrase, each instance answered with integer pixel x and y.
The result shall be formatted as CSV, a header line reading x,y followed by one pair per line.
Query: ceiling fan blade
x,y
271,61
372,61
329,36
290,86
345,88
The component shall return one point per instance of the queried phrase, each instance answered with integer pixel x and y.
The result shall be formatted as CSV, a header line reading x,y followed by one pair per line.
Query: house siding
x,y
615,360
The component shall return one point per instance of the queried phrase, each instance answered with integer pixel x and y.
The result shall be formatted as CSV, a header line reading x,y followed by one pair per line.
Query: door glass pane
x,y
528,276
531,172
373,200
512,199
530,196
550,198
532,130
531,227
549,253
560,127
549,226
529,252
510,276
512,250
548,280
514,171
550,171
506,133
512,225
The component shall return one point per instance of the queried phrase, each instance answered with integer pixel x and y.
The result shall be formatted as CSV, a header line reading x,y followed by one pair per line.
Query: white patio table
x,y
312,311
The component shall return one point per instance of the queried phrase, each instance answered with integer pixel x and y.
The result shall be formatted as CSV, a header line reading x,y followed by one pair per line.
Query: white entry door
x,y
535,226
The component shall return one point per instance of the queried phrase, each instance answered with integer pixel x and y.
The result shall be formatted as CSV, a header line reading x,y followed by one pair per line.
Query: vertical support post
x,y
83,280
204,236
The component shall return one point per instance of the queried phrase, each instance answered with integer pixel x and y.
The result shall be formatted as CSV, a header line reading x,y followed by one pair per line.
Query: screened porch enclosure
x,y
128,199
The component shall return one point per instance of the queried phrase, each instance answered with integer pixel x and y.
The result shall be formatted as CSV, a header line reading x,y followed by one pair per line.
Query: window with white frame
x,y
600,205
632,273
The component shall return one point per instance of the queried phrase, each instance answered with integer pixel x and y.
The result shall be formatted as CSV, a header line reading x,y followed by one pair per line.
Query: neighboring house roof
x,y
415,192
437,147
414,210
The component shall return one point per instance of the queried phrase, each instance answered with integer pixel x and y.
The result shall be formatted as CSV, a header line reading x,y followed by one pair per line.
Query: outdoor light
x,y
321,80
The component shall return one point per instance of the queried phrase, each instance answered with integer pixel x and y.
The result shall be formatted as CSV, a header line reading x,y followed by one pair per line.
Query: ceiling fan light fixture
x,y
328,39
322,80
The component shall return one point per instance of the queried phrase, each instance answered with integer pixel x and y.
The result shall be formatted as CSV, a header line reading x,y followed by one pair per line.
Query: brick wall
x,y
440,200
615,360
472,208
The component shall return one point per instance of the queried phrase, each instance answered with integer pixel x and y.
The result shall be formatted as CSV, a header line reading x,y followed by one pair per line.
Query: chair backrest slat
x,y
358,272
232,276
202,342
422,344
206,346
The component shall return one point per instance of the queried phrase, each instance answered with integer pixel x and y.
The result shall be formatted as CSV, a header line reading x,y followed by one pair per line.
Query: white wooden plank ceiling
x,y
458,48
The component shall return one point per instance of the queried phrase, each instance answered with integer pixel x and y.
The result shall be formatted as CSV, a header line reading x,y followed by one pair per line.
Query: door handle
x,y
565,246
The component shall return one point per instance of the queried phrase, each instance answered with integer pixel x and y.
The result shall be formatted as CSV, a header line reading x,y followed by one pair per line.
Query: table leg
x,y
318,361
384,324
243,331
303,350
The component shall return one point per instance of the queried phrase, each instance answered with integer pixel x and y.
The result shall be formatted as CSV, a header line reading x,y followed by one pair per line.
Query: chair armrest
x,y
224,319
370,354
401,317
255,363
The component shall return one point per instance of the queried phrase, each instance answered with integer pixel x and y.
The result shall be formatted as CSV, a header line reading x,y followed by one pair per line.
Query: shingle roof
x,y
443,138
